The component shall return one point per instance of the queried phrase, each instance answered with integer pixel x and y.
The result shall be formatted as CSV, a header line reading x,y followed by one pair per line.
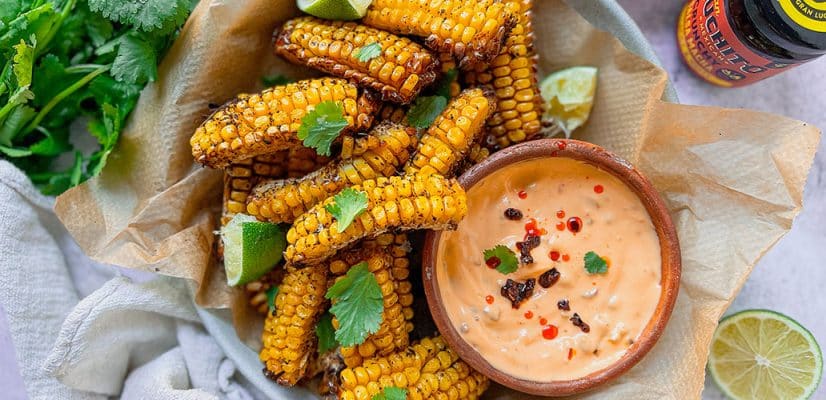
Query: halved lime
x,y
761,354
342,10
251,248
569,95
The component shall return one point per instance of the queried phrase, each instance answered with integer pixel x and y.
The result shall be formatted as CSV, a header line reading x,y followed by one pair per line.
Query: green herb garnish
x,y
391,393
325,333
502,258
357,304
369,52
595,264
271,293
275,80
346,206
321,126
424,111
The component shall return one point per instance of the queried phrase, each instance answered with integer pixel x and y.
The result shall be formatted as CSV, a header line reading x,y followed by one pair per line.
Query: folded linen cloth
x,y
136,338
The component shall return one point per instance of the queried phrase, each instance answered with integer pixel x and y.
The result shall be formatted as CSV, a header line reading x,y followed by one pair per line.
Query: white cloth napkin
x,y
136,338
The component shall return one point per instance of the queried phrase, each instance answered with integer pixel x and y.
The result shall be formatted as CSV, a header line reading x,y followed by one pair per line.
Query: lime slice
x,y
251,248
569,95
760,354
343,10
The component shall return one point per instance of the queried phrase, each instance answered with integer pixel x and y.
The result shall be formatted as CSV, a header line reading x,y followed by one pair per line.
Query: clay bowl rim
x,y
669,250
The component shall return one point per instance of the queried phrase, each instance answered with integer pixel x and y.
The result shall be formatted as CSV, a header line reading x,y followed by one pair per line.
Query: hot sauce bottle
x,y
733,43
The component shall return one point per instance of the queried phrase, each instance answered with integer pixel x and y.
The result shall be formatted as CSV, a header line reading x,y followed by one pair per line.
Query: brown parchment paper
x,y
733,179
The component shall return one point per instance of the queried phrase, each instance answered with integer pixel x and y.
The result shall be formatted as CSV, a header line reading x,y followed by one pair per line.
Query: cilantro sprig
x,y
346,206
369,52
357,304
271,293
63,60
594,264
391,393
503,257
321,126
325,333
425,109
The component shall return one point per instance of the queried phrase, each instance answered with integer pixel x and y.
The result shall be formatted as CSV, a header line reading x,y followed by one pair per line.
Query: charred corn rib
x,y
240,178
513,76
289,331
427,370
398,73
267,122
392,334
394,203
304,160
393,113
472,31
284,200
452,134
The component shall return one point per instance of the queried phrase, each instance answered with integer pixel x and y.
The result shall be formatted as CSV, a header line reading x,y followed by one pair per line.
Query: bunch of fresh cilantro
x,y
68,62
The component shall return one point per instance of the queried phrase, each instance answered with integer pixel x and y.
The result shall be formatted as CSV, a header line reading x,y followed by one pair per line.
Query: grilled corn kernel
x,y
394,203
289,331
399,72
448,63
284,200
427,370
240,178
513,76
393,113
304,160
267,122
472,31
452,134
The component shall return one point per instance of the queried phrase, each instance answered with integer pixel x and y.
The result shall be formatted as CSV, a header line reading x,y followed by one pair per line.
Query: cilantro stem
x,y
64,12
62,95
79,68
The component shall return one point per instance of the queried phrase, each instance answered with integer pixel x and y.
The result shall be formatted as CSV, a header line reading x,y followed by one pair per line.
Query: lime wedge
x,y
342,10
569,95
760,354
251,248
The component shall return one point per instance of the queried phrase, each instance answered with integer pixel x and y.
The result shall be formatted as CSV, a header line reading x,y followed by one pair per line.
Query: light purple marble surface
x,y
791,277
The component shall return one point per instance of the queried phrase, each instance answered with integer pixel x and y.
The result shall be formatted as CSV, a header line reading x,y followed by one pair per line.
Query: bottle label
x,y
712,50
810,14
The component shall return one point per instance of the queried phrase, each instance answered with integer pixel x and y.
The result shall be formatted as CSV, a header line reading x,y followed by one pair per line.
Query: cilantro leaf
x,y
358,305
271,293
595,264
275,80
424,111
326,333
145,15
347,205
369,52
37,23
136,60
443,85
321,126
23,62
507,258
391,393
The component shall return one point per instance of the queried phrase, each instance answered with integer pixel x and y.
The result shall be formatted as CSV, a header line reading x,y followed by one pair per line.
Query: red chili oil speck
x,y
560,214
574,225
522,194
493,262
571,353
598,189
549,332
566,257
561,145
543,321
532,229
560,226
554,255
489,299
529,314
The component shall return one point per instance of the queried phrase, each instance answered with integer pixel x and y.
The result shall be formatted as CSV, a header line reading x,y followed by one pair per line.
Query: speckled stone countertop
x,y
791,277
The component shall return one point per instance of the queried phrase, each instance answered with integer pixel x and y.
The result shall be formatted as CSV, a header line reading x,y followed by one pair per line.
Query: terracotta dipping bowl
x,y
669,249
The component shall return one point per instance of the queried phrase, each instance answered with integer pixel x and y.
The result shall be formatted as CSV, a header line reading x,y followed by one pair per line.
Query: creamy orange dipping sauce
x,y
538,340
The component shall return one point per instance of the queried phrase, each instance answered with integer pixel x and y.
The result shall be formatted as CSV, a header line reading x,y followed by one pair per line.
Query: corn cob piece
x,y
393,113
472,31
452,134
257,290
428,370
289,331
304,160
398,73
240,178
356,146
284,200
392,334
394,203
267,122
513,76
